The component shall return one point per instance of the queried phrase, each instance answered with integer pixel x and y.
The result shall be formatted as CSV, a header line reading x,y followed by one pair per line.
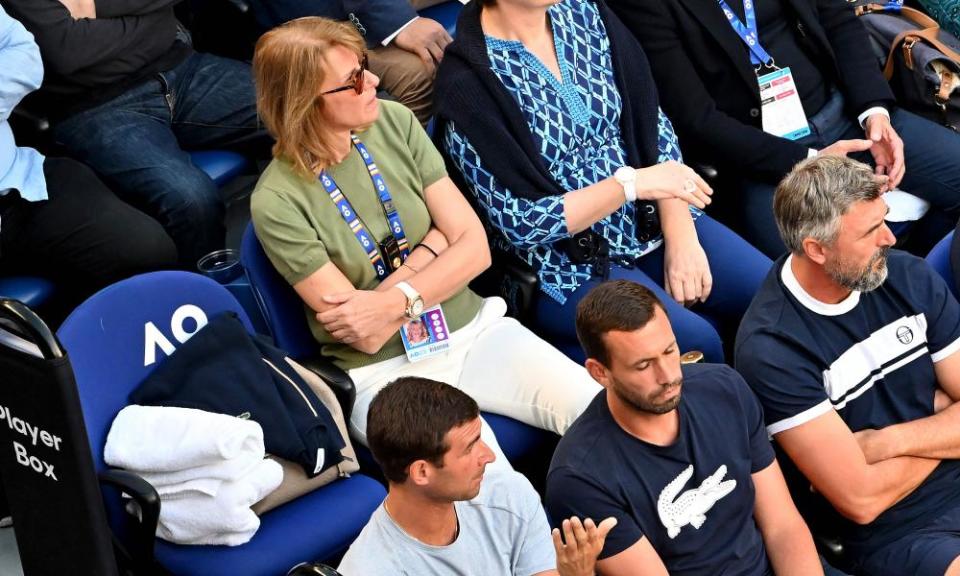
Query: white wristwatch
x,y
414,306
627,177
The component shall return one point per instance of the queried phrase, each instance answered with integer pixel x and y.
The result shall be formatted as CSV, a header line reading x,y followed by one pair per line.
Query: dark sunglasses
x,y
357,82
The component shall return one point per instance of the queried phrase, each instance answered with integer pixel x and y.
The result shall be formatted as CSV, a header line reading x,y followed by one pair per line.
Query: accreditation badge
x,y
780,105
425,336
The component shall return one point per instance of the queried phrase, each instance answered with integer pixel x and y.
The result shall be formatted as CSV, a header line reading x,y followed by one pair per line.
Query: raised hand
x,y
581,544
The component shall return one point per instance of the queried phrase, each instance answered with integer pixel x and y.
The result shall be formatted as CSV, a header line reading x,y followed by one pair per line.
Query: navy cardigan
x,y
469,94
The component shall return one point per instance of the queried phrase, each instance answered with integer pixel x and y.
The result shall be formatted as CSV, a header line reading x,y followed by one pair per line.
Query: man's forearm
x,y
791,550
936,436
884,484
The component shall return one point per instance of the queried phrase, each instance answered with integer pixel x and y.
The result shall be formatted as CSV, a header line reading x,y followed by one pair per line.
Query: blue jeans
x,y
136,142
931,154
738,269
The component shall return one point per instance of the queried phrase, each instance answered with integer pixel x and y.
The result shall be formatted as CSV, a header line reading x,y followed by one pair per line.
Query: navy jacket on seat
x,y
223,369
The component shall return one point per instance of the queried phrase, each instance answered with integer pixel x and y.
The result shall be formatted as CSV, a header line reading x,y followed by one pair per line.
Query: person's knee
x,y
188,195
406,78
148,248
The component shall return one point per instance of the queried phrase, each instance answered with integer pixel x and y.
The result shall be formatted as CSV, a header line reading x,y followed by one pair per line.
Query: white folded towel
x,y
168,439
224,519
206,479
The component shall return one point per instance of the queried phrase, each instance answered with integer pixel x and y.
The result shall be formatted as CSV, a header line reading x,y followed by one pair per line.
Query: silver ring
x,y
689,186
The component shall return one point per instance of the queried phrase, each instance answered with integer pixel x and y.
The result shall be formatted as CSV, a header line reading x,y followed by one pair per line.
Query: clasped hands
x,y
360,314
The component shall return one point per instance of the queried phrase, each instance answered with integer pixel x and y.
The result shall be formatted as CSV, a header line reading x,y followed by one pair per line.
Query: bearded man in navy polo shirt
x,y
852,350
678,455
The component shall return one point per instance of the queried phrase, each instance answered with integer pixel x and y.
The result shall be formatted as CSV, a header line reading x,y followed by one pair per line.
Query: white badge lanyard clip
x,y
759,57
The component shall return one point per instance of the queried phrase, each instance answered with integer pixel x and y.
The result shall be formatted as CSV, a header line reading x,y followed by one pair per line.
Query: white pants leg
x,y
502,365
509,370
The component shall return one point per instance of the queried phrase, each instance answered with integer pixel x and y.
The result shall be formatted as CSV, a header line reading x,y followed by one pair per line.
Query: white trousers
x,y
502,365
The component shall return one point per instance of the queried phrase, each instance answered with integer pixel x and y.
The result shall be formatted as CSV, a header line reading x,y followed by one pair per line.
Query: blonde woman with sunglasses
x,y
357,213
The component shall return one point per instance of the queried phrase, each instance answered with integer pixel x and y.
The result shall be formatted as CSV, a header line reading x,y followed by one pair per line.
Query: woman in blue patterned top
x,y
544,108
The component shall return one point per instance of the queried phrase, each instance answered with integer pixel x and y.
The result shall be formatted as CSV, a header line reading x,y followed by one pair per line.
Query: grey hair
x,y
812,198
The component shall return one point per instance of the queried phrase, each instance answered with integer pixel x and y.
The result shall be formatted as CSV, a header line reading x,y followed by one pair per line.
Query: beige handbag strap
x,y
928,32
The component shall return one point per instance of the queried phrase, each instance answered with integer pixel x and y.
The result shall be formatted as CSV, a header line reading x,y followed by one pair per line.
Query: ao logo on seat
x,y
183,319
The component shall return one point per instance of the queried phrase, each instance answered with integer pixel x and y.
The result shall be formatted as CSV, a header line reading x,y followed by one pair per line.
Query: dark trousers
x,y
137,142
83,237
931,155
738,269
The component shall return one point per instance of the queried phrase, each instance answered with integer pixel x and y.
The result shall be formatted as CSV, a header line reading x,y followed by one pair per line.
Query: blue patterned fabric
x,y
575,123
946,12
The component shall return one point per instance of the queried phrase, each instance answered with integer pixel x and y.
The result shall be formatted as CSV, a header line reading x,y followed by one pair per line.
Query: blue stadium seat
x,y
31,290
284,312
221,166
445,13
280,304
112,343
939,260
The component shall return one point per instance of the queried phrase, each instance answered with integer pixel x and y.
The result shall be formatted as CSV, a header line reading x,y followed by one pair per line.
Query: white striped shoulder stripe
x,y
798,419
945,351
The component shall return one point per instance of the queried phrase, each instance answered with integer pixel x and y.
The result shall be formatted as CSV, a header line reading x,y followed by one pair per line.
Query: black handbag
x,y
921,61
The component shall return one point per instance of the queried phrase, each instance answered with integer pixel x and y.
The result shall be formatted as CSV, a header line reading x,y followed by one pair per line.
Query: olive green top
x,y
301,229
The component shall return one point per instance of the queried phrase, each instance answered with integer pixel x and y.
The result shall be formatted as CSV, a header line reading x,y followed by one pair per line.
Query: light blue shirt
x,y
503,532
21,72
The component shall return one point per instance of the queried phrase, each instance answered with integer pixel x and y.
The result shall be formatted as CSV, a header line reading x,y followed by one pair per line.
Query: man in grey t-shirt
x,y
442,514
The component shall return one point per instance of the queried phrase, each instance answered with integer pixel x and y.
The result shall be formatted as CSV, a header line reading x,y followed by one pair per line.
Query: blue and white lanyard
x,y
353,220
748,32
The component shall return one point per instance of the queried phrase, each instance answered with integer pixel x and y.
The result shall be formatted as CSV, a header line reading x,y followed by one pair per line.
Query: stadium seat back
x,y
118,337
939,260
280,304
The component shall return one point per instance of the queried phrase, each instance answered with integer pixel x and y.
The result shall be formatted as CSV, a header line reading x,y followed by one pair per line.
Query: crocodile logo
x,y
676,510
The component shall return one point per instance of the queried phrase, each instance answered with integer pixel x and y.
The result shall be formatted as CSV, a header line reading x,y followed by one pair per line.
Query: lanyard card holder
x,y
780,103
781,107
426,336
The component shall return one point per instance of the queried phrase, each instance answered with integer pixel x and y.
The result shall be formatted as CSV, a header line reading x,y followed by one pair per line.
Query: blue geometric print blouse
x,y
576,125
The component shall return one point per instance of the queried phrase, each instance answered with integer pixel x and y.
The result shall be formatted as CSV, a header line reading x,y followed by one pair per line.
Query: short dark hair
x,y
613,305
408,420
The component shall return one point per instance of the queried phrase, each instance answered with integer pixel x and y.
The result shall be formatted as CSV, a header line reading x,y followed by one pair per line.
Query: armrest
x,y
511,279
312,569
148,502
31,128
518,286
830,548
29,119
337,378
707,172
241,5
